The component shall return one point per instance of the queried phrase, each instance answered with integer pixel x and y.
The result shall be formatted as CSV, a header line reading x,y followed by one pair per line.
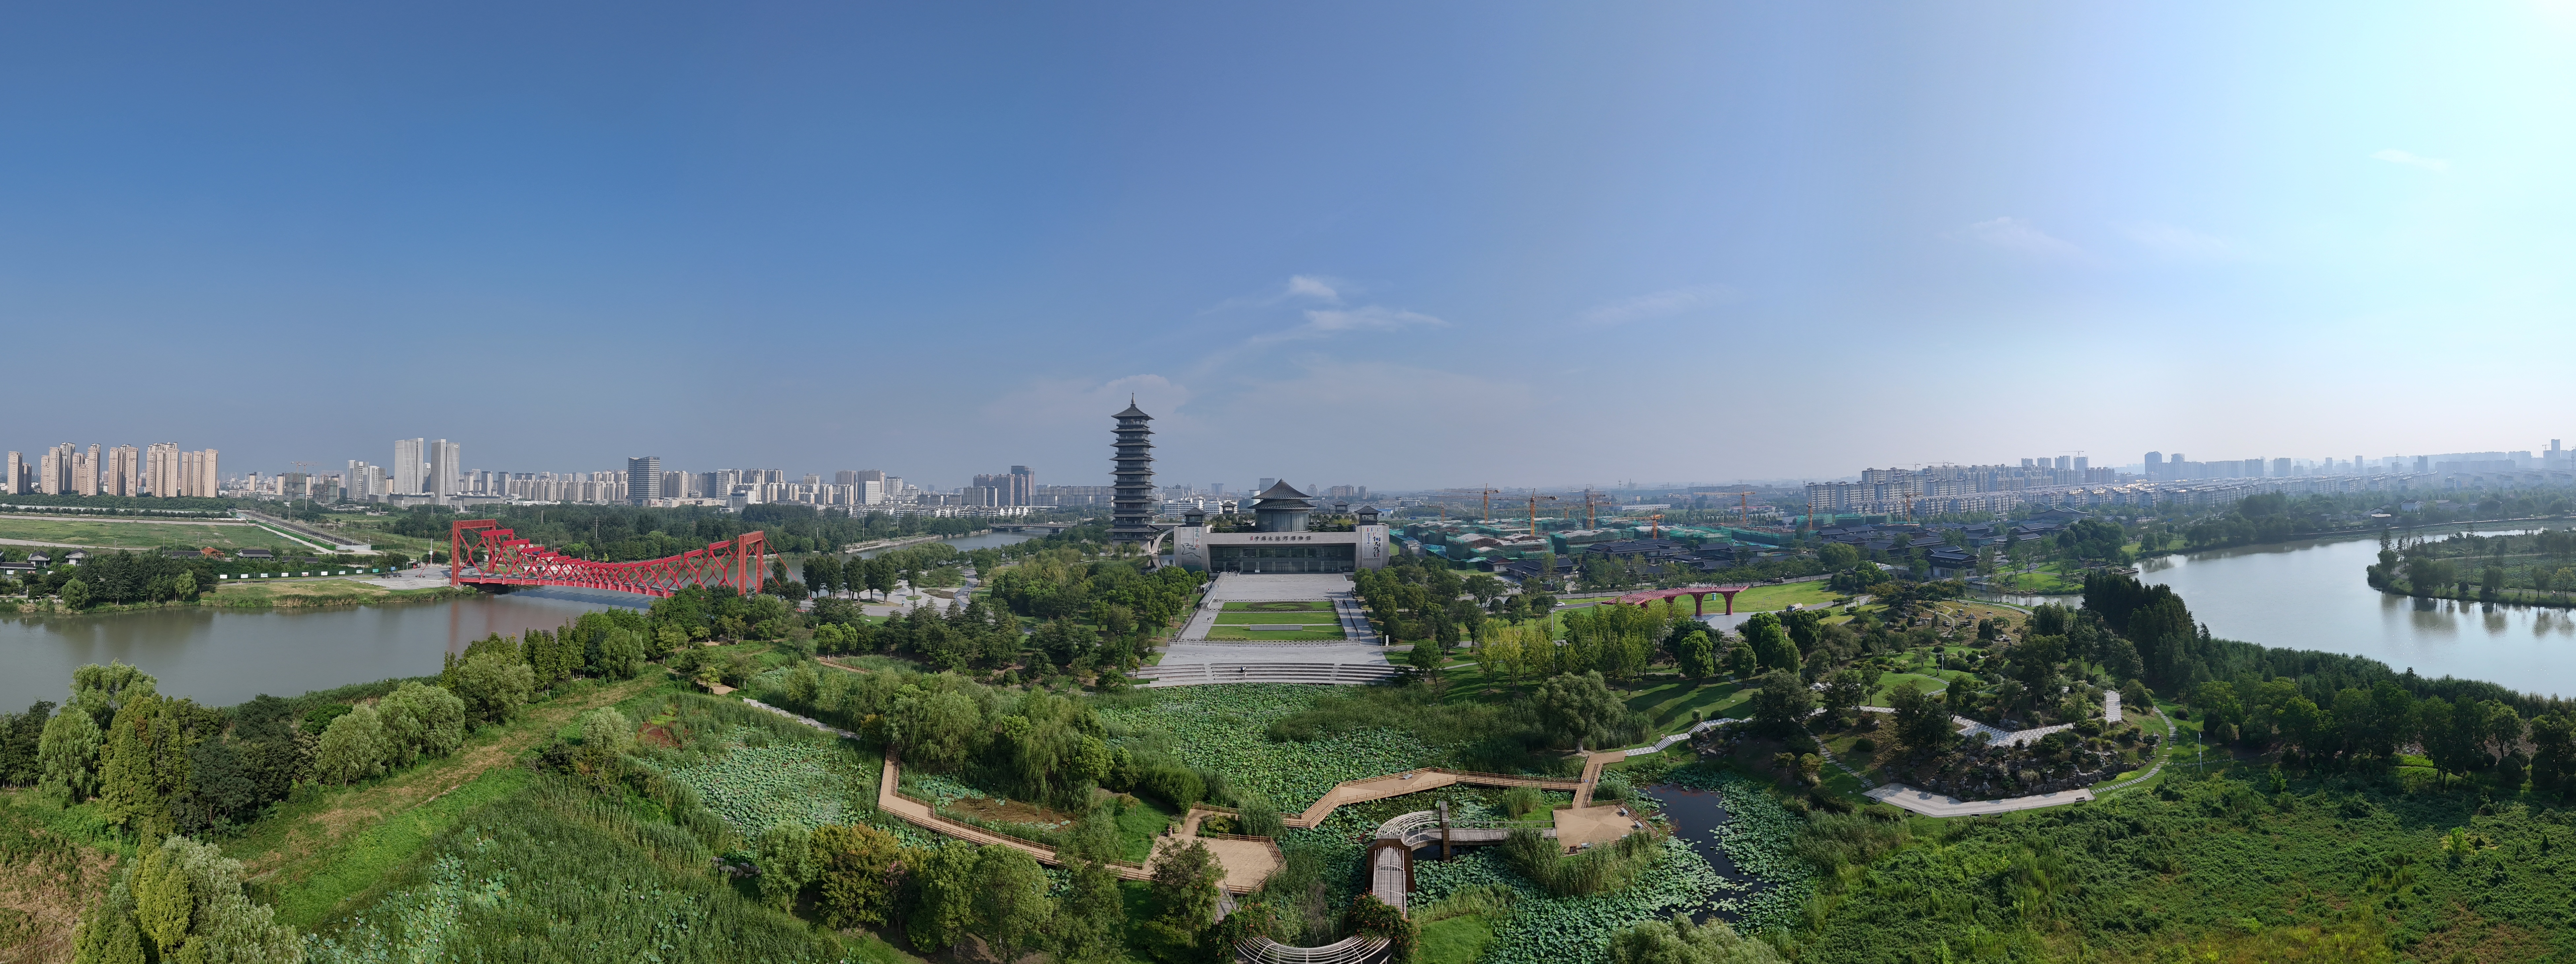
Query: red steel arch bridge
x,y
481,553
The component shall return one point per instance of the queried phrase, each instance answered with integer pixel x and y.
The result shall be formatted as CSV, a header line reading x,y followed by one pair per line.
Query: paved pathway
x,y
1416,781
1929,804
1969,727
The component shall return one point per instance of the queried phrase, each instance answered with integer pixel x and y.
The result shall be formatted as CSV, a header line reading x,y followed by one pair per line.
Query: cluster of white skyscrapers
x,y
159,469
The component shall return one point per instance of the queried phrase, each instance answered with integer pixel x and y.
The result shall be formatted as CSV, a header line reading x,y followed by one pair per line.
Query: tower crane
x,y
1534,500
1590,501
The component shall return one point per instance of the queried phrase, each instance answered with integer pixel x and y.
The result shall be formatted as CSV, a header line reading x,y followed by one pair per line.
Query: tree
x,y
2553,754
102,690
1770,641
1578,709
1740,661
784,855
1845,689
421,721
143,762
1085,929
1011,903
1185,882
68,756
75,594
493,685
1922,723
854,874
1697,655
943,908
1783,701
183,901
822,573
353,747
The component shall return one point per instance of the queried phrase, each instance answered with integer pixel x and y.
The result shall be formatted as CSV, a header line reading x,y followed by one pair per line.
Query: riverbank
x,y
252,596
876,544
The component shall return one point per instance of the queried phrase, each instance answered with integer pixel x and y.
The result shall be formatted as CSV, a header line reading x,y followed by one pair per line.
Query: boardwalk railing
x,y
1356,949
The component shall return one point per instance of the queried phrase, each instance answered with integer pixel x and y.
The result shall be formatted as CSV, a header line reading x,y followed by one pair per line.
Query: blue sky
x,y
1394,245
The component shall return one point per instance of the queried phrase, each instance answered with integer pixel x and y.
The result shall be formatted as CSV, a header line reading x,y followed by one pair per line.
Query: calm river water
x,y
221,657
2310,595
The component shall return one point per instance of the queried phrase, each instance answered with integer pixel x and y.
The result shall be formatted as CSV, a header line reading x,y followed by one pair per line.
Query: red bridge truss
x,y
482,553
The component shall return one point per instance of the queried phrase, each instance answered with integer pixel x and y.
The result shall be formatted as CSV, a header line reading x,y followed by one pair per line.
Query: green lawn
x,y
1139,824
1458,940
1669,700
143,535
2050,578
1247,619
1240,634
1312,605
1771,598
1888,682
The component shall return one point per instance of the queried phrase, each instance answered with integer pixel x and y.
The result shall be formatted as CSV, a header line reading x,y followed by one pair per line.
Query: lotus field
x,y
809,784
1222,728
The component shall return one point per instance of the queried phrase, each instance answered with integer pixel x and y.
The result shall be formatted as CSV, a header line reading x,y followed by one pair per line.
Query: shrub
x,y
1864,745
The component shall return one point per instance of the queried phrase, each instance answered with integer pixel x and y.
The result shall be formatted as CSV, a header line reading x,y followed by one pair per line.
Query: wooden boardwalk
x,y
1433,778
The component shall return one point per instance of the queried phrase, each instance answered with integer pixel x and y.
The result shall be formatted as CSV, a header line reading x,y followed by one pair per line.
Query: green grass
x,y
142,535
367,861
1247,619
1888,682
2049,578
1240,634
1669,700
1768,598
1312,605
1458,940
1139,825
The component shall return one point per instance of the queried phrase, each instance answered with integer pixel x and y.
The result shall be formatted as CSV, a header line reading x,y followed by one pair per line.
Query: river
x,y
220,657
2310,595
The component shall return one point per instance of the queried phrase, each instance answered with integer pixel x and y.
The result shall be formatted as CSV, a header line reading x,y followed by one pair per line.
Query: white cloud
x,y
1658,304
1310,286
2412,159
1325,321
2017,236
2174,241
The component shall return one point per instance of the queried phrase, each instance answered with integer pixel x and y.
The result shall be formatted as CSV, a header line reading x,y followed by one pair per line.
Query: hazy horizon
x,y
1414,246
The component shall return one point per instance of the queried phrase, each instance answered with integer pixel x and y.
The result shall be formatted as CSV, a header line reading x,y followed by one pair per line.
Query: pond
x,y
1695,816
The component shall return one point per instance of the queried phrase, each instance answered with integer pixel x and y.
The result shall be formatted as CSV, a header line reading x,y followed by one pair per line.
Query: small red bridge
x,y
1699,597
481,553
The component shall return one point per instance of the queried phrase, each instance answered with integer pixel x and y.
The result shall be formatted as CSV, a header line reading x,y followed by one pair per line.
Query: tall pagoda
x,y
1131,516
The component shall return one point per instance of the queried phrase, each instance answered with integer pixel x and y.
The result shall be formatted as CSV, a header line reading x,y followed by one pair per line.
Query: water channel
x,y
221,657
2310,595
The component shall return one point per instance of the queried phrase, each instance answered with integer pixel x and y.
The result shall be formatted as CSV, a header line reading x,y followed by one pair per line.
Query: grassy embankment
x,y
114,533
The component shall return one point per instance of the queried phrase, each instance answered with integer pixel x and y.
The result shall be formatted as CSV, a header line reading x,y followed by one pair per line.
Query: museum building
x,y
1280,542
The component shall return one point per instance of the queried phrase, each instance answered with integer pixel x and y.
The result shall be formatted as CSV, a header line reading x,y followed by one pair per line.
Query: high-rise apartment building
x,y
15,483
124,475
446,469
197,476
85,472
643,478
161,468
410,463
675,485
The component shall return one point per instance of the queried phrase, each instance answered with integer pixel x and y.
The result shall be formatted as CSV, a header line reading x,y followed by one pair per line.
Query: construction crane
x,y
1534,500
1589,501
1486,496
1658,531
